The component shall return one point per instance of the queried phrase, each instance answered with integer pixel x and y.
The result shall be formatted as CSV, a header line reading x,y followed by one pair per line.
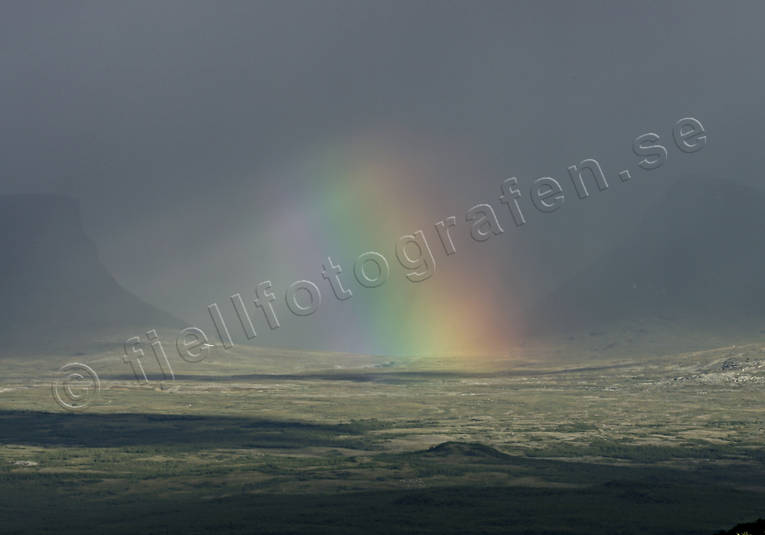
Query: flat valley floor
x,y
270,442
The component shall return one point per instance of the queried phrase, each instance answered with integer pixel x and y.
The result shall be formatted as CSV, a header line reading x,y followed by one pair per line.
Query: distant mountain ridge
x,y
698,256
55,290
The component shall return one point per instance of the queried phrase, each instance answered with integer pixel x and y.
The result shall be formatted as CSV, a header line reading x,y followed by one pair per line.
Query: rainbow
x,y
362,196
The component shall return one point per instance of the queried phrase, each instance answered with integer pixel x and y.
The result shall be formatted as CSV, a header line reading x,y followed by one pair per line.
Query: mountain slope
x,y
697,258
54,289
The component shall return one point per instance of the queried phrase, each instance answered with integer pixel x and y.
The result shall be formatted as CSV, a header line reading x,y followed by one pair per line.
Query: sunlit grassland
x,y
670,444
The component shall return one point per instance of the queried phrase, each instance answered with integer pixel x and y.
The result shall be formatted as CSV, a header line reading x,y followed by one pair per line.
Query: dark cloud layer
x,y
170,121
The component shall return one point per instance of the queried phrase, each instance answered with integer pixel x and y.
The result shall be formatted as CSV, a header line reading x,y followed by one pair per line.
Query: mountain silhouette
x,y
697,257
55,291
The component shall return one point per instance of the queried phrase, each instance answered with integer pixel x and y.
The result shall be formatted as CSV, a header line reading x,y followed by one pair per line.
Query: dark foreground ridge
x,y
751,528
466,449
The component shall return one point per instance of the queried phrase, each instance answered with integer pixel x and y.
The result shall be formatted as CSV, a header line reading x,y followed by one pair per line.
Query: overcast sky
x,y
188,130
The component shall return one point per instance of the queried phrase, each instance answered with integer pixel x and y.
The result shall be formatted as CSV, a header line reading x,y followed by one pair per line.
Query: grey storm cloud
x,y
167,119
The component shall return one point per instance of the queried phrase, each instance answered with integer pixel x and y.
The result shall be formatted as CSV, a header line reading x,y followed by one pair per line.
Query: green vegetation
x,y
623,449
